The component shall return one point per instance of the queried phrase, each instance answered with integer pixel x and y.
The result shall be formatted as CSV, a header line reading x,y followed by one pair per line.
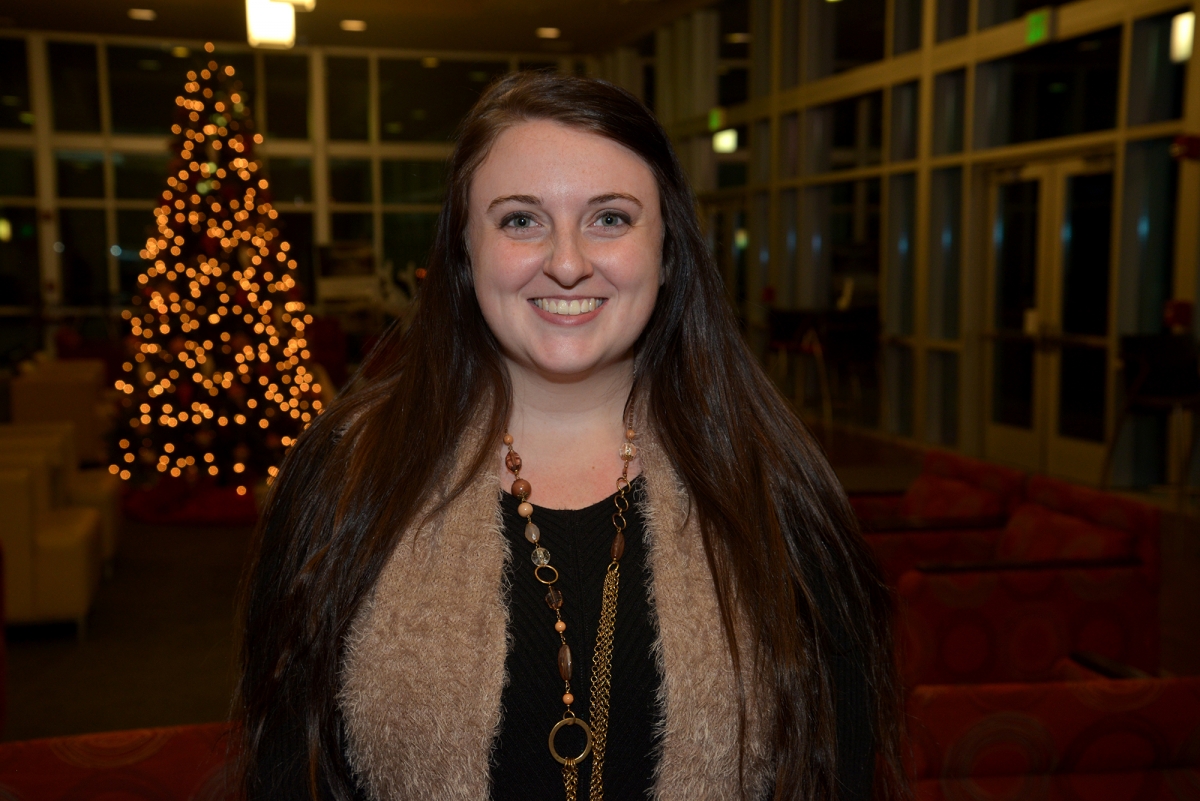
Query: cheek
x,y
498,266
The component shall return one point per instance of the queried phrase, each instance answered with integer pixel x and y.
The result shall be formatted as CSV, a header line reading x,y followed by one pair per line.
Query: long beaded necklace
x,y
597,732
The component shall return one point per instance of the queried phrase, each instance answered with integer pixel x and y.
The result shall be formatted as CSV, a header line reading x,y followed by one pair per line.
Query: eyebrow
x,y
527,199
532,200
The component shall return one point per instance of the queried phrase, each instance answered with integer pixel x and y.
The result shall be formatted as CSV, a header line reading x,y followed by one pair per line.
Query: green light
x,y
716,119
1037,26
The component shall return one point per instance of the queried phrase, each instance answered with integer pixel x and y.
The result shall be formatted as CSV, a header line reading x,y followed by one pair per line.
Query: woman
x,y
444,575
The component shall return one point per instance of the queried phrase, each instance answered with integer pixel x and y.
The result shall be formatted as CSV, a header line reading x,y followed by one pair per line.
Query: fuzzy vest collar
x,y
425,657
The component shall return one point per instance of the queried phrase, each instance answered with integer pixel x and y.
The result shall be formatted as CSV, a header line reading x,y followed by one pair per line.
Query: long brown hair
x,y
782,544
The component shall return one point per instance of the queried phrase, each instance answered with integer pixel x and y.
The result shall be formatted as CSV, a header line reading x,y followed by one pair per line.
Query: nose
x,y
567,264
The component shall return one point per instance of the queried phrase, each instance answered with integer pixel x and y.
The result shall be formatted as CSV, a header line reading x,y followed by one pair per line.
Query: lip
x,y
566,319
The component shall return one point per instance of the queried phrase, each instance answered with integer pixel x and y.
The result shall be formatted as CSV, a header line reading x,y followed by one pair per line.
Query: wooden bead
x,y
560,627
508,440
564,662
525,509
522,489
618,547
630,434
512,460
568,699
554,599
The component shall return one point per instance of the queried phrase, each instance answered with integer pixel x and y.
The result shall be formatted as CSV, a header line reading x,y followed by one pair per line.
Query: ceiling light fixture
x,y
737,38
355,25
1183,29
143,14
300,5
270,24
548,33
725,141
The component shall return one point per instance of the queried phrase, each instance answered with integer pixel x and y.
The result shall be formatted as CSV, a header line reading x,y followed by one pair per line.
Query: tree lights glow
x,y
216,382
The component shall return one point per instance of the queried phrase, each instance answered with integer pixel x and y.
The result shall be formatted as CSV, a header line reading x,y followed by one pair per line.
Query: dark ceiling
x,y
588,26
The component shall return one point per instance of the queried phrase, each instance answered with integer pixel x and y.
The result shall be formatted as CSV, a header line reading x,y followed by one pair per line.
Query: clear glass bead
x,y
541,556
532,532
628,450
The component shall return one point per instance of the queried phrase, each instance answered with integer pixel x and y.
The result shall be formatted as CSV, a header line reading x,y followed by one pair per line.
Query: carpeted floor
x,y
159,645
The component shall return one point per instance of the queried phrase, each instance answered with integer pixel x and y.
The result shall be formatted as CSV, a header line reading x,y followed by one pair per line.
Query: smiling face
x,y
565,234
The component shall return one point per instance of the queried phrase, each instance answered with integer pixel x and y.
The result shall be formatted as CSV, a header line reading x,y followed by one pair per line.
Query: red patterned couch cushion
x,y
951,489
901,551
999,625
183,763
1099,739
932,496
1035,533
1103,509
1004,483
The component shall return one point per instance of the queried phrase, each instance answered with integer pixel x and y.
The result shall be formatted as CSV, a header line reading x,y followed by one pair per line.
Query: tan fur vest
x,y
425,661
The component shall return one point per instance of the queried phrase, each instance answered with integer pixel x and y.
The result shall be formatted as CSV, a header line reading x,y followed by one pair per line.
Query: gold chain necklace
x,y
597,732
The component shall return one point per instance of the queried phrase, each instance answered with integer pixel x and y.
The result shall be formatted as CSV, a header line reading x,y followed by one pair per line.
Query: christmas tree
x,y
216,383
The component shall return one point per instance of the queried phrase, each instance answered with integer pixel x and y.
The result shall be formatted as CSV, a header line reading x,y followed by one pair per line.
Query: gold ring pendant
x,y
571,721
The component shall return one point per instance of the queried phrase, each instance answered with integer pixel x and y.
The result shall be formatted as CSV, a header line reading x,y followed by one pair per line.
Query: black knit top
x,y
531,702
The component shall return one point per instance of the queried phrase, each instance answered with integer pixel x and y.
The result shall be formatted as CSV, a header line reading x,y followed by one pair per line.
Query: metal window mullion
x,y
49,261
373,138
318,132
106,130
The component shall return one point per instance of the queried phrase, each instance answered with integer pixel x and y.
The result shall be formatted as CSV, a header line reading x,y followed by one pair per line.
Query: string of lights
x,y
217,382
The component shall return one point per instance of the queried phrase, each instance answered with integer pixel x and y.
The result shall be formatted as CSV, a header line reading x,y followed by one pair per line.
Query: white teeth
x,y
568,307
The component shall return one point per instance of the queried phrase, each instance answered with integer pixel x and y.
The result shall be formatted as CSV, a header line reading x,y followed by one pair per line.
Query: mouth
x,y
570,307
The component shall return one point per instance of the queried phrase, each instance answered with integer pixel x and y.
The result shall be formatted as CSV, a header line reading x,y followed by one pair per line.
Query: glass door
x,y
1048,327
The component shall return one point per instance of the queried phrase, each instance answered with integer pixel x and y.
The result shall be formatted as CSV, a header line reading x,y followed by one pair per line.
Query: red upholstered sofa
x,y
1056,521
999,625
952,491
1075,570
1101,740
183,763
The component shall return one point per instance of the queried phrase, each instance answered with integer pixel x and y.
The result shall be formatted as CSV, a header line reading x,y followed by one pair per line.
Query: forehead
x,y
541,156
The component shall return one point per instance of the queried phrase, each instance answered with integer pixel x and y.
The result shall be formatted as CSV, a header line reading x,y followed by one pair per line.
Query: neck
x,y
568,433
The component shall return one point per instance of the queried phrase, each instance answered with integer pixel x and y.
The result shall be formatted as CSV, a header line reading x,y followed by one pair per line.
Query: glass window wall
x,y
949,106
15,113
287,108
80,174
84,256
422,100
139,176
1155,80
409,181
19,278
16,173
74,86
945,252
1055,90
941,420
902,206
952,18
906,25
290,179
846,134
843,35
347,95
350,180
904,121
